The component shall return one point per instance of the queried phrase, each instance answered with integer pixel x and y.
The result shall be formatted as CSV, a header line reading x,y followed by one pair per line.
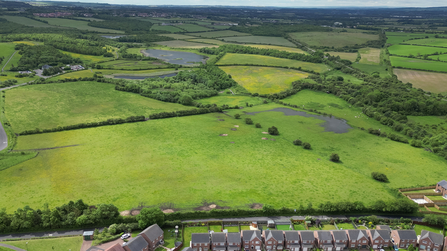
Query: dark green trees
x,y
273,131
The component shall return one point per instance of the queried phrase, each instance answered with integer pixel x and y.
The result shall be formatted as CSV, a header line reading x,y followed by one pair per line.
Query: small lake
x,y
332,124
144,77
114,37
176,57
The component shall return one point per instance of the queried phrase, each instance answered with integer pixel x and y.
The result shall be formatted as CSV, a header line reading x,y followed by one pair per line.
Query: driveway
x,y
11,247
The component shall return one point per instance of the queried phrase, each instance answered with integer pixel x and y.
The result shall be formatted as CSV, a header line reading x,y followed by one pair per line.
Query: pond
x,y
176,57
332,124
113,37
144,77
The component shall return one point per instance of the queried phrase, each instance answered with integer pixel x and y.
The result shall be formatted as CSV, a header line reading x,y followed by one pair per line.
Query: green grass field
x,y
6,50
77,24
178,36
370,56
232,229
399,37
215,34
216,228
27,21
240,59
428,120
328,227
135,50
88,58
441,42
371,69
264,80
283,227
13,62
184,44
12,159
193,28
419,228
333,39
344,55
207,41
54,105
231,100
299,227
418,64
442,57
345,76
112,73
245,228
345,226
192,230
66,243
275,47
170,238
133,65
260,40
415,50
11,75
167,28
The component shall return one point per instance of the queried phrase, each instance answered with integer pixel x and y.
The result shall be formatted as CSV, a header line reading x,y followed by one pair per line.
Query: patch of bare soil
x,y
256,206
273,139
223,135
125,213
135,212
236,126
208,206
264,138
168,211
265,133
233,129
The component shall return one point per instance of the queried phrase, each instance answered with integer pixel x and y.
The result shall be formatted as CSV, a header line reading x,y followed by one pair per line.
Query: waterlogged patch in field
x,y
264,80
418,64
415,50
335,39
81,25
428,81
240,59
370,56
215,34
260,40
52,105
184,44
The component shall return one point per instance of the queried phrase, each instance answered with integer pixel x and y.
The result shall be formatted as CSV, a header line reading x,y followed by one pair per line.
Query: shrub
x,y
248,121
297,142
416,143
306,145
237,116
379,176
334,157
273,131
258,125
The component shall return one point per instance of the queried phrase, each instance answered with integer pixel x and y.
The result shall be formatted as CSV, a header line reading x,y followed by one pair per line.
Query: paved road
x,y
9,60
45,234
11,247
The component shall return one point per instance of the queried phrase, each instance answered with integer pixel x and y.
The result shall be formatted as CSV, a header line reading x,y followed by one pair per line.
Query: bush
x,y
258,125
248,121
306,145
416,143
237,116
273,131
334,157
379,176
297,142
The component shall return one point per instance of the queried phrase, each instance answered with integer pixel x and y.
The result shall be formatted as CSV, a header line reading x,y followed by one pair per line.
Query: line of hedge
x,y
130,119
182,113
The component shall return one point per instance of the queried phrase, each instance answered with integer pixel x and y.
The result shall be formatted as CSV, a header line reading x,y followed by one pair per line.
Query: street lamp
x,y
26,246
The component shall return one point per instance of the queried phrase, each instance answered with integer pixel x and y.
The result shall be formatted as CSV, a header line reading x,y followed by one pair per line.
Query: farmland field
x,y
13,62
275,47
27,21
81,25
6,50
56,105
192,28
208,41
418,64
370,56
183,44
135,51
88,58
406,50
214,34
231,100
351,56
428,120
133,65
141,157
345,76
167,28
260,40
178,36
112,73
428,81
399,37
442,57
336,39
11,75
66,243
441,42
264,80
370,69
240,59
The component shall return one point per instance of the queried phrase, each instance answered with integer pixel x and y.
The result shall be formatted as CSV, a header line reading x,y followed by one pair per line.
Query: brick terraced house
x,y
404,238
252,239
340,239
292,240
430,241
273,239
307,240
200,242
358,239
324,240
379,239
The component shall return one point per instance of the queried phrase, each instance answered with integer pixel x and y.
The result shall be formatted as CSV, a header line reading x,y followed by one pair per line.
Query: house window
x,y
269,242
353,246
425,242
437,245
195,244
435,249
296,241
376,241
364,241
246,242
257,242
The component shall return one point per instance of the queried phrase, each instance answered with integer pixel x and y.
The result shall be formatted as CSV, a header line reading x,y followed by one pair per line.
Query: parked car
x,y
125,236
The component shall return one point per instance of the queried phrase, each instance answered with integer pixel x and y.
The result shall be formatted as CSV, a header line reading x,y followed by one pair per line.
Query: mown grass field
x,y
26,21
345,76
207,41
184,44
406,50
371,69
351,56
335,39
132,65
215,34
240,59
428,120
193,28
13,62
441,42
66,243
399,37
260,40
370,56
148,156
12,159
167,28
275,47
428,81
11,75
77,24
231,100
112,73
53,105
418,64
178,36
442,57
6,50
264,80
88,58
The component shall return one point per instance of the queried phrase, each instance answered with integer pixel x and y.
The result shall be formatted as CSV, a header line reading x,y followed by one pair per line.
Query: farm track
x,y
11,247
9,60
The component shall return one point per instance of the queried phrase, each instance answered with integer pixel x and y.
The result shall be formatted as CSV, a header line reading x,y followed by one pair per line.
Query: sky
x,y
283,3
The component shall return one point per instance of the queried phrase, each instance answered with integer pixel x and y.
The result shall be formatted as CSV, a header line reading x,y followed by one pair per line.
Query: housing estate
x,y
404,238
234,241
307,240
200,242
273,239
358,239
292,240
324,240
252,239
219,241
340,239
148,240
379,239
430,241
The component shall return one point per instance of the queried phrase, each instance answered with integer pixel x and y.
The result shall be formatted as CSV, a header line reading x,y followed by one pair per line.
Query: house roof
x,y
307,235
275,234
87,233
407,234
136,244
218,237
340,235
443,184
200,238
383,227
434,237
152,232
249,235
292,235
357,234
324,235
385,234
116,247
233,237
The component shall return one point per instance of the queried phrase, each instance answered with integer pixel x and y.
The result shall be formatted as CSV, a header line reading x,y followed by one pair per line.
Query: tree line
x,y
130,26
278,30
144,38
